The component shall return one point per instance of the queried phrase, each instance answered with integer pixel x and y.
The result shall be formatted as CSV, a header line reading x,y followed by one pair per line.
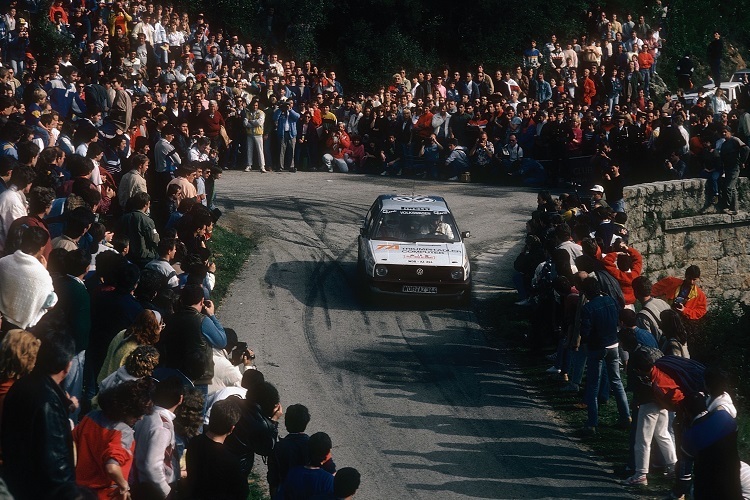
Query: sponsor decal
x,y
413,199
419,257
385,246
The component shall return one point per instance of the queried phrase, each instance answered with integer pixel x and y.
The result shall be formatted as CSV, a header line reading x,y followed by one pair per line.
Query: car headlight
x,y
457,274
381,271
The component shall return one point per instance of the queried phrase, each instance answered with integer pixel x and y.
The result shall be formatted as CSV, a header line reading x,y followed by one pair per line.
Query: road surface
x,y
412,395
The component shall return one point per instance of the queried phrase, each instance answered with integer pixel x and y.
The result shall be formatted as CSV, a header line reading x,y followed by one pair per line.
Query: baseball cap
x,y
597,189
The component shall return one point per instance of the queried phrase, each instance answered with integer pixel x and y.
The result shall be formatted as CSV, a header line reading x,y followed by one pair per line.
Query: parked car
x,y
732,90
411,246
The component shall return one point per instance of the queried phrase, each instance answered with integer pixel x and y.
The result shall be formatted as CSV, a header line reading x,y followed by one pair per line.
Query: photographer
x,y
285,121
230,363
191,334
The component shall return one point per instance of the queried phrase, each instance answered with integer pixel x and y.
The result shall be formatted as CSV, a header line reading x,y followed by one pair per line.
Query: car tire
x,y
363,283
464,300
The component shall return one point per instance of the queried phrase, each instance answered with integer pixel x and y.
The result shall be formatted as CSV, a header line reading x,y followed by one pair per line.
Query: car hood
x,y
423,254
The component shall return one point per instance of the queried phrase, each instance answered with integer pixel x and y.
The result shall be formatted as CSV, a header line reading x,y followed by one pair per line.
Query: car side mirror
x,y
466,234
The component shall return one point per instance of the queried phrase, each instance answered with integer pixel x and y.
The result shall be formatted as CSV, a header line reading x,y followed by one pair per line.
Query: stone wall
x,y
668,227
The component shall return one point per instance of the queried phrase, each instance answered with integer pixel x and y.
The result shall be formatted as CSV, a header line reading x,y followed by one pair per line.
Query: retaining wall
x,y
668,227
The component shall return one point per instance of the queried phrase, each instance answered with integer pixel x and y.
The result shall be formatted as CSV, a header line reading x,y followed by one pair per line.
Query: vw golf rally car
x,y
410,245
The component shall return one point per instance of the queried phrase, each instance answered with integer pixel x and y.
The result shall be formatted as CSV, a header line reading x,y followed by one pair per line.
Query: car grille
x,y
412,273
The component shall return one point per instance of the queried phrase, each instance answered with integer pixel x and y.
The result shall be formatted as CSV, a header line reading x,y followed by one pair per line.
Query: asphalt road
x,y
411,394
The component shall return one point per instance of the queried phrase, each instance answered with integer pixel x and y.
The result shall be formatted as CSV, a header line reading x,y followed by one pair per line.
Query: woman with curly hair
x,y
17,358
139,364
188,421
105,440
144,331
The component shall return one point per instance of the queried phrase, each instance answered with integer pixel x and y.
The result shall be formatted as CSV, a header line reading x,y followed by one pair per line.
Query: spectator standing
x,y
599,323
213,471
13,199
187,340
649,317
734,154
105,441
302,482
140,229
285,122
253,121
27,292
156,468
37,429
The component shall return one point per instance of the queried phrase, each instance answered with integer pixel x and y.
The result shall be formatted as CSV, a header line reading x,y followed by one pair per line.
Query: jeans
x,y
646,74
712,183
730,187
287,146
73,383
255,143
597,362
340,163
576,364
612,101
653,423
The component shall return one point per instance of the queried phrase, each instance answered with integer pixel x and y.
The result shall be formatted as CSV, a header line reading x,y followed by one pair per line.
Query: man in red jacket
x,y
684,295
625,264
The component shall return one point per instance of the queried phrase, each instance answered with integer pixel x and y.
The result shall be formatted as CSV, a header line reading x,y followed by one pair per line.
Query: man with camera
x,y
190,336
230,363
285,120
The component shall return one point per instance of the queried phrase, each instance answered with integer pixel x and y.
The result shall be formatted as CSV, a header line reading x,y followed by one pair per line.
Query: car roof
x,y
411,202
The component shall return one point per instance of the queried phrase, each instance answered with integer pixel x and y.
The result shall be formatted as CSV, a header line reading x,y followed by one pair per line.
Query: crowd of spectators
x,y
590,302
117,378
109,157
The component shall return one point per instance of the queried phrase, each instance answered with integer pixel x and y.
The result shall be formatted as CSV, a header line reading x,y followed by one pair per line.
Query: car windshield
x,y
411,225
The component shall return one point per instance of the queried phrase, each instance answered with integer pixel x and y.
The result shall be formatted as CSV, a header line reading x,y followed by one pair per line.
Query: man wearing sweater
x,y
599,322
27,292
156,469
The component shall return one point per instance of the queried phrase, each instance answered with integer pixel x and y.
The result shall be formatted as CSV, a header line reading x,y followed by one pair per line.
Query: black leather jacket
x,y
36,440
253,434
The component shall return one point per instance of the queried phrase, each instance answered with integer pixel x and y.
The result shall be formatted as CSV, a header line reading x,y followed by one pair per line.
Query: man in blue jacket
x,y
599,321
285,120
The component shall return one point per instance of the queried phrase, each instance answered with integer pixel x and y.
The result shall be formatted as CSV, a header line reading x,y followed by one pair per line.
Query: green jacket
x,y
143,237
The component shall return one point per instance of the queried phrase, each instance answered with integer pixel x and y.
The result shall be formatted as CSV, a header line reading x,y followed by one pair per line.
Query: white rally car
x,y
410,245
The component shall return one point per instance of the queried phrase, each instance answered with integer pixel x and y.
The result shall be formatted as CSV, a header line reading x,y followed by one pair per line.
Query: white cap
x,y
597,189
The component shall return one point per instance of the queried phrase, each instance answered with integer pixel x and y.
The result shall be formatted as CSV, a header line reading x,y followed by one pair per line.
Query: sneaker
x,y
714,200
636,480
247,169
553,370
330,171
385,172
398,174
263,170
293,170
455,178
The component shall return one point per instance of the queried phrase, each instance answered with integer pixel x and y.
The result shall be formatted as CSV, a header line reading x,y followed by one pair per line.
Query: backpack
x,y
688,373
611,287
